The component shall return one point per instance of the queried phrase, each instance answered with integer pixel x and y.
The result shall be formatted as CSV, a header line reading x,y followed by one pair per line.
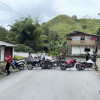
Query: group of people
x,y
40,56
8,59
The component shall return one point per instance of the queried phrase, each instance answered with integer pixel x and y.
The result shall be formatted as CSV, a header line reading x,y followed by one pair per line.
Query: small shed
x,y
5,48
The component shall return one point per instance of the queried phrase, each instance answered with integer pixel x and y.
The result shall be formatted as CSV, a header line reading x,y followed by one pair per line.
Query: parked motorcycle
x,y
67,64
33,64
46,64
81,65
18,65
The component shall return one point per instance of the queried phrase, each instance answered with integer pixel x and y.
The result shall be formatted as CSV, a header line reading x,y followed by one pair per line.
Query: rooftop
x,y
77,32
2,43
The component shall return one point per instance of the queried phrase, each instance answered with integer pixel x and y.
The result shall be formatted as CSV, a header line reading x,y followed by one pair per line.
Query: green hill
x,y
64,24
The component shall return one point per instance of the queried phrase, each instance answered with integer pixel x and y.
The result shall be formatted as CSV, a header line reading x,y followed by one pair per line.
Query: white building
x,y
6,48
81,43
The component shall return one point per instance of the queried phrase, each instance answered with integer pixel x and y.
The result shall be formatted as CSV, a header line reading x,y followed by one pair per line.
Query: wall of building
x,y
79,37
77,50
2,53
76,38
98,52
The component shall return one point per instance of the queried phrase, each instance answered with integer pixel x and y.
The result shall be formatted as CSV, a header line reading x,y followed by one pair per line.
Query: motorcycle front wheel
x,y
42,66
63,67
49,65
29,66
78,67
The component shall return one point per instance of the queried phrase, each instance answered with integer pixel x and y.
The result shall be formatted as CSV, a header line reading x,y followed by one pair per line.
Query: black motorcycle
x,y
16,65
47,64
33,64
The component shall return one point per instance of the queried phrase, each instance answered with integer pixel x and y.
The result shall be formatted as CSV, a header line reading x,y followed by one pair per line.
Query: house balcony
x,y
81,42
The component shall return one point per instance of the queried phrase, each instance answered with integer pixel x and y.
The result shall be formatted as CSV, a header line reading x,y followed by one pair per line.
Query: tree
x,y
3,34
74,16
27,32
84,26
98,31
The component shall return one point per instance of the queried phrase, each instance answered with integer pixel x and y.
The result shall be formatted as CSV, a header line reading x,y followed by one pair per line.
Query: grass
x,y
18,57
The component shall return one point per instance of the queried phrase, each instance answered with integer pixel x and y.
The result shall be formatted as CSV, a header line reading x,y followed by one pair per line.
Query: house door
x,y
8,50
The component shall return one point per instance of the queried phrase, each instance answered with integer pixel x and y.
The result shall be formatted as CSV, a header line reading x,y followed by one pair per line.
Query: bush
x,y
84,26
2,67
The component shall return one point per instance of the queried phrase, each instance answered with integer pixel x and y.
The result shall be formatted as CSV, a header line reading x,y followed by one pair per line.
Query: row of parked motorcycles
x,y
48,64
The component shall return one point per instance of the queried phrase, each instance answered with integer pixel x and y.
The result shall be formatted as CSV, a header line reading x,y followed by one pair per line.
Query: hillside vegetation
x,y
64,24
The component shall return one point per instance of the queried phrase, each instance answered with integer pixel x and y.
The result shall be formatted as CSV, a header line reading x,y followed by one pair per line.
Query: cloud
x,y
46,9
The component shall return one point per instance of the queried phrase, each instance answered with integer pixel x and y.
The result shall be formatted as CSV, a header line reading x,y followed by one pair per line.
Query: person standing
x,y
30,58
8,60
43,56
94,57
87,56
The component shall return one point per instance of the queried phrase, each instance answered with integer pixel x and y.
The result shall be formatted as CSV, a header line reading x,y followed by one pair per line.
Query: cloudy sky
x,y
11,10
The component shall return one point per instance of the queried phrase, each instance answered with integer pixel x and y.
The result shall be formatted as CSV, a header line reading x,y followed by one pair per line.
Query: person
x,y
39,56
8,60
94,57
43,56
30,58
87,56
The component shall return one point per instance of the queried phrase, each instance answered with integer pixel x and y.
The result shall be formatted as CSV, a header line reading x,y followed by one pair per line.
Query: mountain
x,y
63,25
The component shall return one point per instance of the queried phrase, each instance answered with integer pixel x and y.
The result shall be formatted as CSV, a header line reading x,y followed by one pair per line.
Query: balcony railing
x,y
81,42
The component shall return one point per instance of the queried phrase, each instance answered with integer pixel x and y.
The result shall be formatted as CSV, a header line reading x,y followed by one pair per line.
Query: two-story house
x,y
81,43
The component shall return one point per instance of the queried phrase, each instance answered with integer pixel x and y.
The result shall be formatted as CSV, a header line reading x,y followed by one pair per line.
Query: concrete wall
x,y
98,53
79,38
77,50
98,64
76,38
2,53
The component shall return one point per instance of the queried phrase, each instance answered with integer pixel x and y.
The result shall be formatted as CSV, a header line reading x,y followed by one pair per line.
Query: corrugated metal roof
x,y
2,43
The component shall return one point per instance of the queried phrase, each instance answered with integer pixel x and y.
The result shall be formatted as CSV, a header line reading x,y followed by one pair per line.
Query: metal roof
x,y
2,43
76,32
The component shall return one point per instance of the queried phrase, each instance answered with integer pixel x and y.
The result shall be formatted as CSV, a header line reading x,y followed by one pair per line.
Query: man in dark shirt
x,y
94,57
87,56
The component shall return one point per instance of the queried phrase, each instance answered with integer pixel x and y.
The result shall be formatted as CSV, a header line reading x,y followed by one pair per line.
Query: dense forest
x,y
30,36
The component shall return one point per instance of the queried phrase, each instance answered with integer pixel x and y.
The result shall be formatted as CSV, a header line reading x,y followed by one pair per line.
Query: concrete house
x,y
81,43
6,48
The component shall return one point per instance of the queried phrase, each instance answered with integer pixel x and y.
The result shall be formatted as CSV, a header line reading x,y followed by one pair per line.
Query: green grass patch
x,y
18,57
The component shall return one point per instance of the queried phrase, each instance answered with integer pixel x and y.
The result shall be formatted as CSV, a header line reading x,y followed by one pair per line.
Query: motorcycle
x,y
67,64
81,65
32,64
46,64
18,65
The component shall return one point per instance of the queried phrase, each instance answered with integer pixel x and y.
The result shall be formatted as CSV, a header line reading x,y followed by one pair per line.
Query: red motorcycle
x,y
67,64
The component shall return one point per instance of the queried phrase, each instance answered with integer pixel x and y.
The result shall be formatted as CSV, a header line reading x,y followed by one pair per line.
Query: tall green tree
x,y
3,34
27,32
98,31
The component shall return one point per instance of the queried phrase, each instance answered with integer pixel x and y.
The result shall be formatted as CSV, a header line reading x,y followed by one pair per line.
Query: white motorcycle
x,y
87,64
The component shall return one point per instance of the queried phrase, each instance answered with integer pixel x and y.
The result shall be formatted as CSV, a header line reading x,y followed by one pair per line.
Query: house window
x,y
87,49
83,38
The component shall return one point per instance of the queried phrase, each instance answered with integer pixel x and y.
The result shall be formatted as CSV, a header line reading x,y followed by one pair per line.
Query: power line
x,y
12,9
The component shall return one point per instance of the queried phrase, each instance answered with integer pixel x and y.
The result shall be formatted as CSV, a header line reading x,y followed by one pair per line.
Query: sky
x,y
45,10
